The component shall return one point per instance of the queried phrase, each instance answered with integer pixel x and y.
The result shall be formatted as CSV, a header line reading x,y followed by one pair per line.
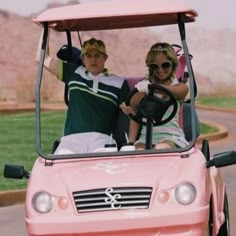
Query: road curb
x,y
8,198
14,106
211,108
221,133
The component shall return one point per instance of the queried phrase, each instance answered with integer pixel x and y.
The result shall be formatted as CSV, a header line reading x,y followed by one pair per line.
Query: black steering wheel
x,y
153,108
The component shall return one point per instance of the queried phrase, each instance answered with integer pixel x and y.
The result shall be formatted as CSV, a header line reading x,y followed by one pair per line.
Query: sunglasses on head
x,y
165,65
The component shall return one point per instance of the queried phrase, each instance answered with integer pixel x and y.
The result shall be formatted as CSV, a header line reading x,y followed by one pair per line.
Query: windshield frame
x,y
181,20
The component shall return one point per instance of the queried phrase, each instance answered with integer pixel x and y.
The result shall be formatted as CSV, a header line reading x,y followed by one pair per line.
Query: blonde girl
x,y
161,61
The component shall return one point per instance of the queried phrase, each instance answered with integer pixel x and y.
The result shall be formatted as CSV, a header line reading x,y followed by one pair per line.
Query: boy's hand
x,y
127,109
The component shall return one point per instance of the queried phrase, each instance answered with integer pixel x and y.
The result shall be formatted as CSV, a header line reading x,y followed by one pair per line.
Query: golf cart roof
x,y
115,14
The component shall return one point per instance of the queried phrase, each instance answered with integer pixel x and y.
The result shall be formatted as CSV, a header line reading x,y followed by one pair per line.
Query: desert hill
x,y
19,37
213,56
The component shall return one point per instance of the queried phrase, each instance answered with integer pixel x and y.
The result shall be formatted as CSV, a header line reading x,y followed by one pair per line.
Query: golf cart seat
x,y
186,121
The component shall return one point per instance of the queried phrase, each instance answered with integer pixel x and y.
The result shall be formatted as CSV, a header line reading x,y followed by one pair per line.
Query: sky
x,y
212,13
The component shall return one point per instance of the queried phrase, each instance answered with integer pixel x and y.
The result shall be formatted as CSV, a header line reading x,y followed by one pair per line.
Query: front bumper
x,y
140,222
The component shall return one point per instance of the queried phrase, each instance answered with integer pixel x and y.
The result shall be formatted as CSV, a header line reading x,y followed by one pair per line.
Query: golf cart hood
x,y
122,172
78,175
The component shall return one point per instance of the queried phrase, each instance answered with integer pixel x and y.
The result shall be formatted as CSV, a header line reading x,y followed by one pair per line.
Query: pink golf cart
x,y
120,190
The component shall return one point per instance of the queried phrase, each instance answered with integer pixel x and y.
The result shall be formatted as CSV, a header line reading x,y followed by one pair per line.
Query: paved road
x,y
12,218
12,221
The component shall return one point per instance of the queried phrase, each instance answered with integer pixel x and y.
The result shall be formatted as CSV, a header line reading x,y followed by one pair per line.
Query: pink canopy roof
x,y
115,14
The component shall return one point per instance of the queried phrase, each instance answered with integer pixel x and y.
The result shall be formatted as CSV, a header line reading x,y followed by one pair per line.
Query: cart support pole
x,y
192,82
37,91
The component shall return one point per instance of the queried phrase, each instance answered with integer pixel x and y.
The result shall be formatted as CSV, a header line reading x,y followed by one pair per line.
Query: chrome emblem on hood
x,y
111,199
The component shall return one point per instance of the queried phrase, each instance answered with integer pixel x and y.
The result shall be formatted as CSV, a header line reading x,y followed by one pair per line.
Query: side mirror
x,y
15,172
222,159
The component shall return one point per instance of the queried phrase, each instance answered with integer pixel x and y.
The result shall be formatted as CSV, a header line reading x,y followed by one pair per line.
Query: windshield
x,y
117,113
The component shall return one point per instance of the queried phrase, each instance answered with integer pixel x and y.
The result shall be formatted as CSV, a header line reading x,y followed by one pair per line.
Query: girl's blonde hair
x,y
169,52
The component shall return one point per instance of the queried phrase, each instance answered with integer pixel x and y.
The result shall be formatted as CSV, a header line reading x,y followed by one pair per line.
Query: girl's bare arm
x,y
180,90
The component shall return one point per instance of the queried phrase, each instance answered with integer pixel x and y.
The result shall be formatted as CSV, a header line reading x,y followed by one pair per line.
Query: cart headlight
x,y
42,202
185,193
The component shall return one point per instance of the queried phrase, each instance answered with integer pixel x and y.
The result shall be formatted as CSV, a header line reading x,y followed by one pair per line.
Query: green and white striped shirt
x,y
93,100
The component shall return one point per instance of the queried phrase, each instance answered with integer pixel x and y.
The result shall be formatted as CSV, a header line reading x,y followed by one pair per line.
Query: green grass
x,y
206,129
222,102
17,141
